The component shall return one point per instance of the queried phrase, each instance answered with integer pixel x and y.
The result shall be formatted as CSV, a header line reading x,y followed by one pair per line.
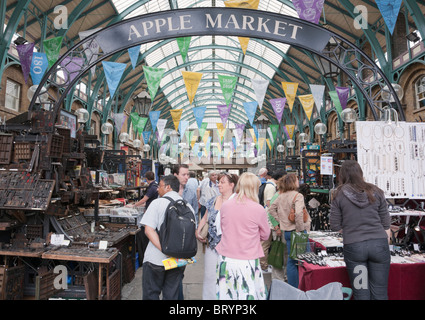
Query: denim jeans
x,y
291,267
368,267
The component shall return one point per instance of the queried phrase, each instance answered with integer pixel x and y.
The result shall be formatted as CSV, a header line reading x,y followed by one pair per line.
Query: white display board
x,y
393,157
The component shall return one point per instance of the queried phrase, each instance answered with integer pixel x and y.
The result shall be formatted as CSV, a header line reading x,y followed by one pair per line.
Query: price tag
x,y
103,245
56,239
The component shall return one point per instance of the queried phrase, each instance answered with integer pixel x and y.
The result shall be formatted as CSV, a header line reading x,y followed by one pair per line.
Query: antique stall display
x,y
49,179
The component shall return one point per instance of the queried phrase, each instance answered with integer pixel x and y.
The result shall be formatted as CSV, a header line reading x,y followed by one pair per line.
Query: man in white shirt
x,y
155,278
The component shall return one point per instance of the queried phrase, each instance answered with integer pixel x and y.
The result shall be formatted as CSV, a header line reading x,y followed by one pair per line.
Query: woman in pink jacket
x,y
244,225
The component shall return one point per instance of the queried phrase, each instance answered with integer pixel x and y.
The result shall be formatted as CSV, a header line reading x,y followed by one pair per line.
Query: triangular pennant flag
x,y
335,100
243,41
273,129
269,144
176,115
191,81
71,67
343,93
134,52
113,74
141,124
250,109
183,125
255,131
261,142
290,130
154,117
189,135
25,52
52,49
160,125
389,10
227,84
146,135
119,119
307,102
134,116
91,48
239,128
203,128
199,112
278,105
224,111
39,65
260,87
310,10
317,90
153,78
183,44
290,89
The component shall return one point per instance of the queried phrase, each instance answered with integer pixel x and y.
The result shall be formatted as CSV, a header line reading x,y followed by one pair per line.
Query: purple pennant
x,y
25,57
343,95
278,106
71,67
309,10
224,112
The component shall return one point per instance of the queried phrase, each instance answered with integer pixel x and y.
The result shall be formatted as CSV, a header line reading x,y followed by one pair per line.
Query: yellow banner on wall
x,y
307,101
176,115
290,89
191,81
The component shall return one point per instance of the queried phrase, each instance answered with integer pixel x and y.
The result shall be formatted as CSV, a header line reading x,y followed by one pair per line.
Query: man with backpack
x,y
156,279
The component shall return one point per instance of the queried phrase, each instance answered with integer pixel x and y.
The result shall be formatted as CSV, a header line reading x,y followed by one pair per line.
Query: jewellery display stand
x,y
392,156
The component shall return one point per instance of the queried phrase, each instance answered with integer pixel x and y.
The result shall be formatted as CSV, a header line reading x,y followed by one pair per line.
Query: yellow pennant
x,y
261,142
248,4
176,115
268,144
193,141
191,81
254,137
290,128
290,89
307,101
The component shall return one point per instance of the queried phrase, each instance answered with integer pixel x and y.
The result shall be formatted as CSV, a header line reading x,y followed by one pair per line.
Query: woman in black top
x,y
359,210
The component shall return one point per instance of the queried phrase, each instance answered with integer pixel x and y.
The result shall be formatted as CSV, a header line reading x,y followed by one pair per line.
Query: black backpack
x,y
177,232
261,193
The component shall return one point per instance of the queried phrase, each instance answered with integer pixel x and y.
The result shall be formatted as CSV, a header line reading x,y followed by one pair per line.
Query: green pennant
x,y
335,100
141,124
202,129
153,78
274,128
189,135
52,49
183,44
227,84
134,116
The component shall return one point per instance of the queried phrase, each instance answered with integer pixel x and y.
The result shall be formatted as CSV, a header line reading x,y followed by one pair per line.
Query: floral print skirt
x,y
240,279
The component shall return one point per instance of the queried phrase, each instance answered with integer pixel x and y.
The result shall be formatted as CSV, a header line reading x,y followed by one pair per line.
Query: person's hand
x,y
203,240
279,232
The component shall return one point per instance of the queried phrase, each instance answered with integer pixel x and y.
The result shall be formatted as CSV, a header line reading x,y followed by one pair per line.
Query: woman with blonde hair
x,y
244,225
289,197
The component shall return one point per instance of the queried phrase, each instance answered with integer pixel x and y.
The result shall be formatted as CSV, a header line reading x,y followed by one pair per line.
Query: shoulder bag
x,y
291,216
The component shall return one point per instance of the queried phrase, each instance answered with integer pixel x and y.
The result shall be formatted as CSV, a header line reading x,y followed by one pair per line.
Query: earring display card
x,y
392,157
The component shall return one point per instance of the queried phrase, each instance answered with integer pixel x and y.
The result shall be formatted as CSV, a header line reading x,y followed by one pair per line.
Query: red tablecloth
x,y
405,282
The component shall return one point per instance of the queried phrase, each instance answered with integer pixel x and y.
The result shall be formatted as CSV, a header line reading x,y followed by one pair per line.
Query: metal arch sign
x,y
207,21
225,22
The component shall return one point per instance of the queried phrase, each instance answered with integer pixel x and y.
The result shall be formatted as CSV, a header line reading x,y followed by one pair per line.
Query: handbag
x,y
291,216
275,257
204,231
299,242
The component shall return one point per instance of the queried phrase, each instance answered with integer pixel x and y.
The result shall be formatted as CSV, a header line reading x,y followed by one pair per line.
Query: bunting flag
x,y
113,73
260,87
290,89
224,112
227,84
91,48
261,144
119,119
183,125
193,140
278,105
134,117
253,135
176,115
146,135
189,135
343,93
52,49
239,129
309,10
203,128
290,128
335,100
307,102
269,144
71,67
154,117
221,131
183,44
39,65
141,124
25,52
248,4
255,131
318,90
191,81
250,109
199,112
389,10
153,78
134,52
160,125
272,130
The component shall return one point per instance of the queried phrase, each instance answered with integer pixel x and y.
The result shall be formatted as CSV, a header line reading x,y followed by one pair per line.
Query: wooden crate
x,y
6,144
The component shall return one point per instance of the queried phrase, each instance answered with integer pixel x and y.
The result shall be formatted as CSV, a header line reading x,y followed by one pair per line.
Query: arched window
x,y
420,93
